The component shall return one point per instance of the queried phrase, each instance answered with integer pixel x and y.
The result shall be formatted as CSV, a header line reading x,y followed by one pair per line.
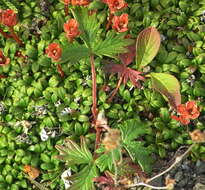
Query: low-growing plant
x,y
120,153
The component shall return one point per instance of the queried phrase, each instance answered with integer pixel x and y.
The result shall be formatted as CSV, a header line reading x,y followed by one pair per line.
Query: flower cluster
x,y
80,2
120,23
115,5
186,112
66,2
8,17
54,51
76,2
71,27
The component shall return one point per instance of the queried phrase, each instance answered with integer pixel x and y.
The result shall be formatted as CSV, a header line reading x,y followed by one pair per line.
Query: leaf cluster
x,y
93,40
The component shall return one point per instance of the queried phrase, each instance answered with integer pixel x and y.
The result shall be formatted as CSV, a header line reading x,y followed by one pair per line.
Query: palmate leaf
x,y
126,73
105,161
130,131
140,154
168,86
84,179
112,45
127,58
88,25
72,153
74,52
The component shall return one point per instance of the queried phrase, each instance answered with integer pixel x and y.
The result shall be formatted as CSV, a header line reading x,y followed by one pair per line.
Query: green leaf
x,y
140,154
131,130
74,154
112,45
105,161
88,25
147,46
84,179
74,52
168,86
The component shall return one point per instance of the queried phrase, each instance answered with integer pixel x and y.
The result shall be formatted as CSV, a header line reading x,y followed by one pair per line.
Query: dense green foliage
x,y
34,91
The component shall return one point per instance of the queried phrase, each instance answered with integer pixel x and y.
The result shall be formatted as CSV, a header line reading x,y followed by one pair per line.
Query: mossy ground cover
x,y
35,99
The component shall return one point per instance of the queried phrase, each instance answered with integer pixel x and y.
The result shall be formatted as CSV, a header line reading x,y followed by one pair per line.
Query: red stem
x,y
98,137
5,34
94,89
116,89
60,70
109,21
94,107
15,37
66,9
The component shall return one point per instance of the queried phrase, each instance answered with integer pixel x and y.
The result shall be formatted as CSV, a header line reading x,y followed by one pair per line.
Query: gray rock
x,y
183,183
178,176
158,182
200,179
199,186
200,167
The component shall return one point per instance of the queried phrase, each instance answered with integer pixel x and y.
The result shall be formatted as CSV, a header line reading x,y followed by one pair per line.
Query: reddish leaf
x,y
3,76
106,180
128,57
126,73
134,77
114,68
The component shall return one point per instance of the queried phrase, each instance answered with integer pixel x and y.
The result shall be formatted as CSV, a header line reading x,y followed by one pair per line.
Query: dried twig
x,y
177,160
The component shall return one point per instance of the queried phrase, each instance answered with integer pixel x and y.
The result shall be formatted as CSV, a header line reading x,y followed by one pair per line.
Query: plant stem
x,y
98,138
15,37
60,70
5,34
66,9
115,167
94,89
109,21
177,160
116,89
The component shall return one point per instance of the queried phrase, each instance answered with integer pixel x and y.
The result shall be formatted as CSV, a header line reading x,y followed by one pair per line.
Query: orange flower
x,y
186,112
66,2
115,5
54,51
8,18
71,29
120,23
80,2
31,171
3,60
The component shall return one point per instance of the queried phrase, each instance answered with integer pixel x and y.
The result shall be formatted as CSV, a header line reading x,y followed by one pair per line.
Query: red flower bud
x,y
3,60
115,5
8,18
120,23
54,51
71,29
80,2
66,2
